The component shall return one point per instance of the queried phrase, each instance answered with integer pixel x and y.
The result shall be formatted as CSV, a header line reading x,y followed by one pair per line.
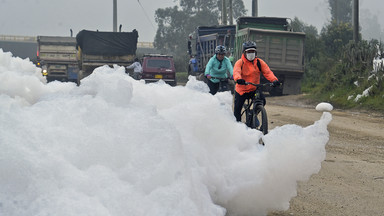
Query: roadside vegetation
x,y
182,77
339,70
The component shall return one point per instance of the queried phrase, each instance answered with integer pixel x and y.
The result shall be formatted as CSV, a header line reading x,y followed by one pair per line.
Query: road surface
x,y
351,179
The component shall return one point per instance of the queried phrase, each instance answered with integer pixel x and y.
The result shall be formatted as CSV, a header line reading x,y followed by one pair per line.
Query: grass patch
x,y
182,77
339,97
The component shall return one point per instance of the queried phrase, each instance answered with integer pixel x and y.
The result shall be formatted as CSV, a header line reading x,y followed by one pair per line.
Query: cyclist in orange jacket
x,y
248,69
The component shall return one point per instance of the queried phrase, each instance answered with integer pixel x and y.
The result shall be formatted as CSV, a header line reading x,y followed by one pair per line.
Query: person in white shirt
x,y
137,69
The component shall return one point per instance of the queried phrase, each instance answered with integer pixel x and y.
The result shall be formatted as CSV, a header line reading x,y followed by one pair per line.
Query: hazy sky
x,y
57,17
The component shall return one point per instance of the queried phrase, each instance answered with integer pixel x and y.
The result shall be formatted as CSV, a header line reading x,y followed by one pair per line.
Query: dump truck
x,y
202,44
278,45
57,58
97,48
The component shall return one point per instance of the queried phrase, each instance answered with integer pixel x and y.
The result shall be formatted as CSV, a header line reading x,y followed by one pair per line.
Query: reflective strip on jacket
x,y
249,72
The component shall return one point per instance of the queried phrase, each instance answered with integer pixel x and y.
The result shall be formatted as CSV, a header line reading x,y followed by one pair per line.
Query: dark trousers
x,y
136,75
239,102
215,87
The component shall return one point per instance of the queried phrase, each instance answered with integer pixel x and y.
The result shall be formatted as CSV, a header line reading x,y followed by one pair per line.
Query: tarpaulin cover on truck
x,y
107,43
276,23
221,30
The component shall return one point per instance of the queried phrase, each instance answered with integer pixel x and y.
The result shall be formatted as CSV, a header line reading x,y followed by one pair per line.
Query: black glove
x,y
240,82
275,83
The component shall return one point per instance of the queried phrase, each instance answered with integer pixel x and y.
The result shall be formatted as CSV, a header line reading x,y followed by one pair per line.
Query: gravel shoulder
x,y
351,179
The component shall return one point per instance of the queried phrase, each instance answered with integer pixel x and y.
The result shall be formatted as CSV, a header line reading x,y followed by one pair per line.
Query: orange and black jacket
x,y
249,71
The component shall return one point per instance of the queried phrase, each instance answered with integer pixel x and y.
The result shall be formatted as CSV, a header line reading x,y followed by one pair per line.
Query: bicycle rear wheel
x,y
259,119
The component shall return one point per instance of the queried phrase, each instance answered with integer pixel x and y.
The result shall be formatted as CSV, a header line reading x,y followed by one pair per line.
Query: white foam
x,y
116,146
322,107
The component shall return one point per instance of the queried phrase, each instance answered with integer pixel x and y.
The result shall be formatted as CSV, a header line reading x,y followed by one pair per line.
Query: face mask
x,y
250,56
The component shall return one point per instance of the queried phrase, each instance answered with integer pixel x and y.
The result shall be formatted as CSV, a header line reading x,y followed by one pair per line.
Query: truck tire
x,y
277,91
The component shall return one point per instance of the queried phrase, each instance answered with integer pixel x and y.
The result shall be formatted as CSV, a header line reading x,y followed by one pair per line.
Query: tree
x,y
335,36
238,8
313,45
341,11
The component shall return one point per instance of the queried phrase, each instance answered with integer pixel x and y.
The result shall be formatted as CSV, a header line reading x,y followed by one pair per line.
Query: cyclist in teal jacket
x,y
216,70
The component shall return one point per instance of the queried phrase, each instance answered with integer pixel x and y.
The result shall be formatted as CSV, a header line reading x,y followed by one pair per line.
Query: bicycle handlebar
x,y
220,78
259,85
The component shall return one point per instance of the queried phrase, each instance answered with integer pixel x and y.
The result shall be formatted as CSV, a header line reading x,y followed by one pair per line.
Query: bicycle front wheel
x,y
259,119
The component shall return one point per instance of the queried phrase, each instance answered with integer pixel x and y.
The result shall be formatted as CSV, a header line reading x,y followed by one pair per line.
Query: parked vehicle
x,y
277,45
96,49
159,67
57,58
202,44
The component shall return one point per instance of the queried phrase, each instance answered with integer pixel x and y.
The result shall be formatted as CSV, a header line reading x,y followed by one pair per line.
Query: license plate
x,y
159,76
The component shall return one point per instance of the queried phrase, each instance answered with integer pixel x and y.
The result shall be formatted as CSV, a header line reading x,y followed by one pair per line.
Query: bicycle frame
x,y
255,107
256,99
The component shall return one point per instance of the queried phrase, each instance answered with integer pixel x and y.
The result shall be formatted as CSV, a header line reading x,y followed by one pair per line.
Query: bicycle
x,y
254,109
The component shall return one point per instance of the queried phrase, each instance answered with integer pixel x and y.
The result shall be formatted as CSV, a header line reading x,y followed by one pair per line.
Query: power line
x,y
145,13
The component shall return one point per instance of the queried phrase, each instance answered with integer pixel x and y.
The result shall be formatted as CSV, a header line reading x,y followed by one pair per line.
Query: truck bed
x,y
58,56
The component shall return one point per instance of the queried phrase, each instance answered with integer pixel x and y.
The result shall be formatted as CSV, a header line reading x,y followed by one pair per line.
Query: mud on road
x,y
351,179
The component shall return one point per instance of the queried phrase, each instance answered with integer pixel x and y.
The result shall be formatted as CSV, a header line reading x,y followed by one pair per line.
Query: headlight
x,y
45,72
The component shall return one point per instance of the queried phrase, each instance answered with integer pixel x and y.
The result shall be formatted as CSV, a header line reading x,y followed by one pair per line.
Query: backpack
x,y
257,63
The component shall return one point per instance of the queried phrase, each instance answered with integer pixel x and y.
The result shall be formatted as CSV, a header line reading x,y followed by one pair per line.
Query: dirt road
x,y
351,179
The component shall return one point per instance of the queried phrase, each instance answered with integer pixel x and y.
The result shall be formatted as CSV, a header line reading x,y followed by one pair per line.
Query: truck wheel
x,y
276,91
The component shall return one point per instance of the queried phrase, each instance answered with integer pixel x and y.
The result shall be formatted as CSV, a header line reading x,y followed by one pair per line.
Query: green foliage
x,y
351,96
238,8
299,26
344,80
182,77
335,36
338,70
313,45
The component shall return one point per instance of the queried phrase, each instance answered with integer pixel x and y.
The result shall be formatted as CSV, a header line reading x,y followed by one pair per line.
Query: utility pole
x,y
224,12
255,8
230,13
355,14
114,15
